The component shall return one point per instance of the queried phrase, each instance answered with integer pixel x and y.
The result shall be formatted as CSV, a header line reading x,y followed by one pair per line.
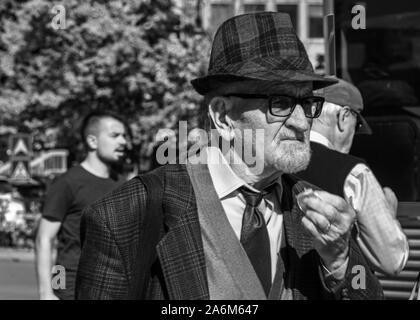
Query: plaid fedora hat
x,y
258,46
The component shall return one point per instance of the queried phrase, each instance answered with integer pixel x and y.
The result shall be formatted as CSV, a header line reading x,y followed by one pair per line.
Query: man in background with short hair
x,y
104,136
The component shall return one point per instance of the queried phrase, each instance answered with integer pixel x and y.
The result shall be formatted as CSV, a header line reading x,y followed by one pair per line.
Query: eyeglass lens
x,y
284,105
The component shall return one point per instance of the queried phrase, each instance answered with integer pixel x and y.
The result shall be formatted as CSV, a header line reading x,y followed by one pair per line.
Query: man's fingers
x,y
391,198
319,205
310,227
390,194
321,223
337,202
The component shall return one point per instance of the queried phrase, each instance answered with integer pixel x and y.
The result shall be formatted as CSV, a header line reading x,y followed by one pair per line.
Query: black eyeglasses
x,y
283,106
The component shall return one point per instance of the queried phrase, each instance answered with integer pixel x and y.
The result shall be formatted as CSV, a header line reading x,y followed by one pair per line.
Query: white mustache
x,y
297,138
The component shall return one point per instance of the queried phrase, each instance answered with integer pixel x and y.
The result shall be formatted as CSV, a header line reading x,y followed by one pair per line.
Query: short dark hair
x,y
92,119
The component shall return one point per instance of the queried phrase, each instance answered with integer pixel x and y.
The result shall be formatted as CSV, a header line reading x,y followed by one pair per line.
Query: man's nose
x,y
298,120
123,140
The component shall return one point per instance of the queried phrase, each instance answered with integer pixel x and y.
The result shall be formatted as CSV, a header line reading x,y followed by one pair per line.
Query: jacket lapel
x,y
180,251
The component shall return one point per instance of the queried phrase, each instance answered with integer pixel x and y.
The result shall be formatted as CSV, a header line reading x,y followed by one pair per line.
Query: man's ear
x,y
342,119
92,142
218,112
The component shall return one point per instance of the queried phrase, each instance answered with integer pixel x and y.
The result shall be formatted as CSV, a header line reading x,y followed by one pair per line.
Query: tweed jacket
x,y
110,232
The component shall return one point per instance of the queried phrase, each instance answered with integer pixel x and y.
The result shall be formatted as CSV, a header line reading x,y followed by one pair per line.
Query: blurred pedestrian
x,y
104,136
380,235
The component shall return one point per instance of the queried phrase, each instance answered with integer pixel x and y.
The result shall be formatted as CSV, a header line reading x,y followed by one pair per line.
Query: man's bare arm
x,y
47,232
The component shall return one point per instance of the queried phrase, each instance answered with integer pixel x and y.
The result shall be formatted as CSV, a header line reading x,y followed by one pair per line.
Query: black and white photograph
x,y
231,151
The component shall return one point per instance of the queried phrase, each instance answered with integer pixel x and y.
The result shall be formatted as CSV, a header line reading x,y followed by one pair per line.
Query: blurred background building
x,y
306,15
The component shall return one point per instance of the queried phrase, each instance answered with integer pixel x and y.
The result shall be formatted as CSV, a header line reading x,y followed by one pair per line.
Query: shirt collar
x,y
225,181
319,138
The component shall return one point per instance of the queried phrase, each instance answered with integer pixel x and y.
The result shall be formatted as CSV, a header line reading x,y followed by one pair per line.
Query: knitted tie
x,y
254,238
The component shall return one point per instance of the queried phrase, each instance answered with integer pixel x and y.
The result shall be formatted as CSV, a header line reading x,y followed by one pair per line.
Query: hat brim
x,y
365,128
212,82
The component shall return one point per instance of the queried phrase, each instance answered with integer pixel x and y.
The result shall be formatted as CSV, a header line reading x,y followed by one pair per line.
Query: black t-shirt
x,y
66,198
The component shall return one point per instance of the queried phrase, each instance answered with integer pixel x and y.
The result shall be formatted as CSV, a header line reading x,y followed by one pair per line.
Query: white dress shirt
x,y
380,235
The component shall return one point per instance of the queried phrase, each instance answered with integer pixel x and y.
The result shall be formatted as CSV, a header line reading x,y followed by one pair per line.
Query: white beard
x,y
292,157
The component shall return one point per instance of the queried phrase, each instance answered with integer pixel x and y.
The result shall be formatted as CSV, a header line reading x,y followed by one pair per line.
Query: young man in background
x,y
104,136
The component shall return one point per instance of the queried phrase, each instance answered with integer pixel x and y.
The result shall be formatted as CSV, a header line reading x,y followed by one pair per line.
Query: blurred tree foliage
x,y
134,57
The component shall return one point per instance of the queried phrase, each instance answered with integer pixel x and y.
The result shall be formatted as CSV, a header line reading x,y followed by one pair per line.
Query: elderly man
x,y
334,170
229,229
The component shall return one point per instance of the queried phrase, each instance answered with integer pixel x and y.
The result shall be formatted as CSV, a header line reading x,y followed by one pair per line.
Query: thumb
x,y
392,199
